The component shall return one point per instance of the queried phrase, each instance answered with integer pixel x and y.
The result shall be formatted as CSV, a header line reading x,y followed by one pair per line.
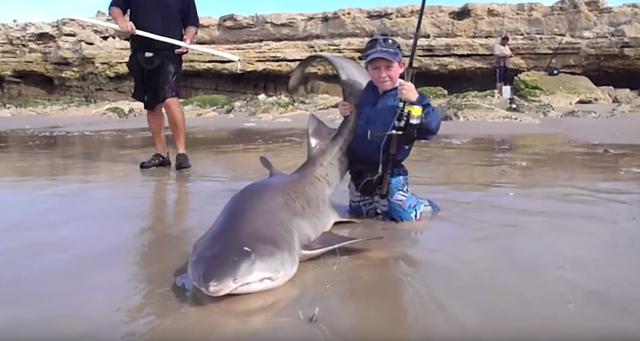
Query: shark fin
x,y
353,76
342,221
270,167
319,135
328,241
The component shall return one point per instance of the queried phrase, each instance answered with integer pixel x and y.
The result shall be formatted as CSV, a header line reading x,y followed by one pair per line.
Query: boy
x,y
368,151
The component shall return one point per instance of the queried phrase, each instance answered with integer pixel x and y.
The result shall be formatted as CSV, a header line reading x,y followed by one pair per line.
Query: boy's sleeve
x,y
189,15
430,118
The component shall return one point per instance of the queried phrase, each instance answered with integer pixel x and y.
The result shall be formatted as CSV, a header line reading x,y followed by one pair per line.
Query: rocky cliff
x,y
70,58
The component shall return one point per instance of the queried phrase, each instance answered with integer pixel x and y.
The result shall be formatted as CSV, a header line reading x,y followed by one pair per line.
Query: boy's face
x,y
384,73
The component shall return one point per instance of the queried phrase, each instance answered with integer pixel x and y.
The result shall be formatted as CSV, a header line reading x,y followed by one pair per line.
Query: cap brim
x,y
390,55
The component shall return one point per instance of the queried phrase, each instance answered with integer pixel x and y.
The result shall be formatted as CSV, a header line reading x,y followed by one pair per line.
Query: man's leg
x,y
177,124
175,114
155,119
498,82
505,71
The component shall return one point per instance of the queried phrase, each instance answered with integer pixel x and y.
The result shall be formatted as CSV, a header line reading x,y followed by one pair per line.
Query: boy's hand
x,y
407,91
345,108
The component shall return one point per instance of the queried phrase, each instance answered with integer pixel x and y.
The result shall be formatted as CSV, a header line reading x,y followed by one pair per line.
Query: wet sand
x,y
621,130
537,238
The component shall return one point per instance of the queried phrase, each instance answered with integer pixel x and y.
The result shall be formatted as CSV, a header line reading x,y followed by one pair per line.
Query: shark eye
x,y
253,256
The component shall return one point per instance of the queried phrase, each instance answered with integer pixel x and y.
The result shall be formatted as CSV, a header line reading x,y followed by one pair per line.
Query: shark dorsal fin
x,y
319,135
273,171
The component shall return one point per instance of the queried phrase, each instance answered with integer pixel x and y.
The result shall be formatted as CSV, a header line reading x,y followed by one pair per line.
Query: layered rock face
x,y
70,58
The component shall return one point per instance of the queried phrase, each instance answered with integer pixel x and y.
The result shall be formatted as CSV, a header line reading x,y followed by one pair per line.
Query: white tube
x,y
162,39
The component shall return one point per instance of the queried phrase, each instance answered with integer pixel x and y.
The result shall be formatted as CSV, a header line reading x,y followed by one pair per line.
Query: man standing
x,y
156,67
502,53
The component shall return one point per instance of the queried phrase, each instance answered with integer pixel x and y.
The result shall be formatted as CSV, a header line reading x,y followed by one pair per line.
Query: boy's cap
x,y
382,47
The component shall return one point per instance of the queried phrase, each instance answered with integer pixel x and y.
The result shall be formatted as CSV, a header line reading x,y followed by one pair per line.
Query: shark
x,y
267,228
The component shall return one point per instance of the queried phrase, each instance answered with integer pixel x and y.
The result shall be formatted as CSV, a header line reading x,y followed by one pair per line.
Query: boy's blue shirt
x,y
376,114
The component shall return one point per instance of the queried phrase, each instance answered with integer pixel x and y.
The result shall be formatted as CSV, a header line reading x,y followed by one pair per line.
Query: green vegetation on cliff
x,y
208,101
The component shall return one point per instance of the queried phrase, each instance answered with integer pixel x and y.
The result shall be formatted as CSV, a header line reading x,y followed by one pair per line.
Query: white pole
x,y
162,39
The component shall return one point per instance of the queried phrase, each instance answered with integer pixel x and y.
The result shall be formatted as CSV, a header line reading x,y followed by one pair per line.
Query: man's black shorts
x,y
155,76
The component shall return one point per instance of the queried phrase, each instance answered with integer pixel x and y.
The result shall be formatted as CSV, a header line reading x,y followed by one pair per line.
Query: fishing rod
x,y
162,39
408,117
548,69
408,72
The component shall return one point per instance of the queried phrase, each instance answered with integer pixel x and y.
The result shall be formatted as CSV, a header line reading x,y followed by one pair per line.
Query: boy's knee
x,y
398,184
406,207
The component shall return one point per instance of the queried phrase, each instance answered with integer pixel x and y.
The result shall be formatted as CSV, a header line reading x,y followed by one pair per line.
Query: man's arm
x,y
122,21
508,51
501,51
190,33
190,20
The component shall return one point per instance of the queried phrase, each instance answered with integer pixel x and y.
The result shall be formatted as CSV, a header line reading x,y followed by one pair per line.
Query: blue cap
x,y
382,47
388,54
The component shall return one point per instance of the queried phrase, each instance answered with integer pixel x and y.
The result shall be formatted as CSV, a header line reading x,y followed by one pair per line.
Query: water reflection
x,y
165,243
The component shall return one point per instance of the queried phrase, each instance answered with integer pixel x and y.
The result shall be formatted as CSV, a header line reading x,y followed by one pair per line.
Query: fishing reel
x,y
408,119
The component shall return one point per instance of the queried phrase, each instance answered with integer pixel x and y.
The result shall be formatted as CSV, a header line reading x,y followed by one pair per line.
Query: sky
x,y
50,10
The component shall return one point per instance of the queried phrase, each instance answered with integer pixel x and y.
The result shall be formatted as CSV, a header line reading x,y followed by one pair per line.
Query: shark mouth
x,y
255,286
262,283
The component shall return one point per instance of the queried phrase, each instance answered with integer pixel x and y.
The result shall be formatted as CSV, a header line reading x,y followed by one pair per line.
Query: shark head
x,y
238,270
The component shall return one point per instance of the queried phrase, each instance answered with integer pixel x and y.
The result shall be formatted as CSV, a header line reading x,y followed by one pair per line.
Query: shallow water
x,y
537,238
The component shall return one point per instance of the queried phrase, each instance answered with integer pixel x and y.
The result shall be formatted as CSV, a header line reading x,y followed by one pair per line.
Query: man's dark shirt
x,y
167,18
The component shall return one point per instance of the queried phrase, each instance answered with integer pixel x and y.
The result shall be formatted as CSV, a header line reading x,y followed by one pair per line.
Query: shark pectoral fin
x,y
347,221
270,167
328,241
